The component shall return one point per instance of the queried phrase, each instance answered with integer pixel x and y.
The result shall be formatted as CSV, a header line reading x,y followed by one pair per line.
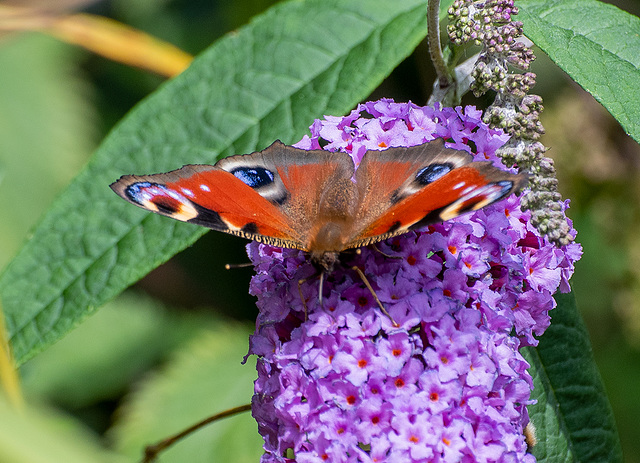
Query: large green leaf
x,y
42,436
268,80
47,130
128,336
205,378
597,44
573,418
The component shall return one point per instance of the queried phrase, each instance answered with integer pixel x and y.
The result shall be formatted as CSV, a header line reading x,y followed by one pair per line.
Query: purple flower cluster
x,y
447,383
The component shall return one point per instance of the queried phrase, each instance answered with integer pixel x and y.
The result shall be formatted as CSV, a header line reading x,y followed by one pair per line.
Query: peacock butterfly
x,y
317,201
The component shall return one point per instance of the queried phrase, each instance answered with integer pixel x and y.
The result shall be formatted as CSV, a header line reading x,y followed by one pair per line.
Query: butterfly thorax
x,y
329,239
333,225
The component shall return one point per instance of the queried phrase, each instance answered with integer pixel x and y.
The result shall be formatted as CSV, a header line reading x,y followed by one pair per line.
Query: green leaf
x,y
203,379
46,131
573,418
38,436
597,45
118,344
268,80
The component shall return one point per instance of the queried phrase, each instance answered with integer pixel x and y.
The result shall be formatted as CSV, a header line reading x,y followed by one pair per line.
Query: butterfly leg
x,y
320,288
373,293
304,303
304,280
388,256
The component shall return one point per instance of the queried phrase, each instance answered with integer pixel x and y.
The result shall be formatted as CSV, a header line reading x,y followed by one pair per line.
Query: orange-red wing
x,y
425,206
237,205
408,188
269,196
211,197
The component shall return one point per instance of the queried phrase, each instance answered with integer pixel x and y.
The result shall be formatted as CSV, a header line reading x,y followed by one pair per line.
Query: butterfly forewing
x,y
436,184
268,196
211,197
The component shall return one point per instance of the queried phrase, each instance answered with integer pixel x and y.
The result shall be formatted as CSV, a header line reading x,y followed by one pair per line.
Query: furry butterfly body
x,y
317,201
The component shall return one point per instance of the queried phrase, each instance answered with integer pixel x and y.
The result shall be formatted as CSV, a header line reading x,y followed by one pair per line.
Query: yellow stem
x,y
8,373
102,36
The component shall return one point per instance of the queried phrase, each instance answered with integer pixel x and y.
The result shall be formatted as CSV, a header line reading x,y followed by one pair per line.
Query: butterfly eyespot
x,y
136,192
432,173
142,192
255,177
158,198
494,192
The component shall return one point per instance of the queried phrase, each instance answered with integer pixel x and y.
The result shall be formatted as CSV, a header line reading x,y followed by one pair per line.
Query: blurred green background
x,y
58,101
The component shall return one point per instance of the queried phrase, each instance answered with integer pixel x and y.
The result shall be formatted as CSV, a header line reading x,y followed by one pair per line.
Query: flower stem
x,y
435,49
152,451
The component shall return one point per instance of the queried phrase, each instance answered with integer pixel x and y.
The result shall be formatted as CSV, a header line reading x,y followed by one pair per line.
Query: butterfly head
x,y
325,261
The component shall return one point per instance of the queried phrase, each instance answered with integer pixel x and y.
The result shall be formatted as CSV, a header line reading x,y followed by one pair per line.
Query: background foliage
x,y
147,349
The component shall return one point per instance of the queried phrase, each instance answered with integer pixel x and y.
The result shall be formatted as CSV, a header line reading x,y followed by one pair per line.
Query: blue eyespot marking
x,y
255,177
432,173
141,192
137,191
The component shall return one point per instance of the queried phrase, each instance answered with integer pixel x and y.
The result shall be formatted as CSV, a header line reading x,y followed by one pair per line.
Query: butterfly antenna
x,y
234,266
321,287
373,293
304,302
304,280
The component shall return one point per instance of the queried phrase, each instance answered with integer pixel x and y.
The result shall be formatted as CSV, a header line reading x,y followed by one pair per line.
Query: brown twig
x,y
152,451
